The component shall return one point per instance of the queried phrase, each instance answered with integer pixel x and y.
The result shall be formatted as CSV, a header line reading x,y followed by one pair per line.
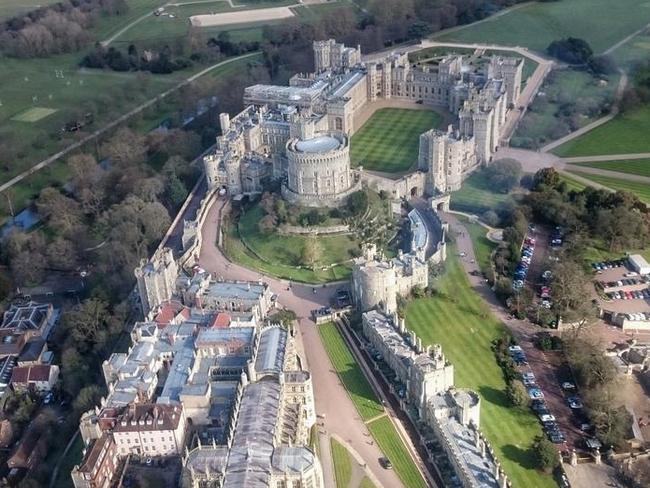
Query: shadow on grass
x,y
494,396
523,457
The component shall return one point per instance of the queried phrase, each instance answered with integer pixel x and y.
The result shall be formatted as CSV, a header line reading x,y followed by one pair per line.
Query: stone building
x,y
318,170
253,145
446,157
156,279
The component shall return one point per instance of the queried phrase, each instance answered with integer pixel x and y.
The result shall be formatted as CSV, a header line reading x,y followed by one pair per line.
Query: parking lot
x,y
622,290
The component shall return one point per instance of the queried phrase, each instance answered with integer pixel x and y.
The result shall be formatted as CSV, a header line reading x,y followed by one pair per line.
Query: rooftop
x,y
270,354
318,144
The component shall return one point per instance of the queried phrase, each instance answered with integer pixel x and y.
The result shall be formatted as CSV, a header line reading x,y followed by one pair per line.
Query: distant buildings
x,y
298,134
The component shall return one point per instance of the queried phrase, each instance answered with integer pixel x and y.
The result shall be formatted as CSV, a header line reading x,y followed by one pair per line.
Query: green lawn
x,y
539,23
389,140
483,247
572,183
476,196
641,190
286,250
392,446
626,133
639,167
368,406
342,464
460,321
360,391
366,483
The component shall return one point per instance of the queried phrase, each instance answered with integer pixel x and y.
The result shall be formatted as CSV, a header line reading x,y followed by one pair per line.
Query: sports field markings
x,y
33,114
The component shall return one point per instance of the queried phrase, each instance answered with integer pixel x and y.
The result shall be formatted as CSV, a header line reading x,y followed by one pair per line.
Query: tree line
x,y
63,27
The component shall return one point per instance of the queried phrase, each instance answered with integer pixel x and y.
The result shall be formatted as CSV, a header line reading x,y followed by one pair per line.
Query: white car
x,y
547,418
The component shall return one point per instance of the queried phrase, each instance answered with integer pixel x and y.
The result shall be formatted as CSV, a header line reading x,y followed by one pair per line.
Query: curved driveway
x,y
331,398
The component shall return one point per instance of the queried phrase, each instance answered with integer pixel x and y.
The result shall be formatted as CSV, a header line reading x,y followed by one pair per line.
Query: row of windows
x,y
144,440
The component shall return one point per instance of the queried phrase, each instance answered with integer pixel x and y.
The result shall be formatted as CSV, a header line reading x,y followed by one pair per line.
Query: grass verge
x,y
342,464
640,189
483,246
640,167
477,196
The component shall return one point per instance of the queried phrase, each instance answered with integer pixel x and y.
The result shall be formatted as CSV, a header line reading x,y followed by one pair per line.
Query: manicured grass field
x,y
368,406
392,446
360,391
571,183
366,483
639,167
33,114
626,133
476,196
539,23
640,189
342,464
389,140
460,321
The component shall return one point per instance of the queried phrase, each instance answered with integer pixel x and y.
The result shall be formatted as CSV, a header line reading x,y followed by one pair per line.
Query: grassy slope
x,y
639,167
366,483
391,445
626,133
389,141
360,391
286,250
465,328
539,23
368,406
642,190
342,464
477,196
571,183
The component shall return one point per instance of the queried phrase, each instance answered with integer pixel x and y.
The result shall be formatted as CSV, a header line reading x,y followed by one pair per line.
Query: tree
x,y
311,252
546,454
63,213
622,228
357,202
571,50
125,148
517,394
568,291
88,397
87,322
546,176
612,421
504,174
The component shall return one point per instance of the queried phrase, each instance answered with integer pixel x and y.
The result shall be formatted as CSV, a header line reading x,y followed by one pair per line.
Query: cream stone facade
x,y
259,144
156,279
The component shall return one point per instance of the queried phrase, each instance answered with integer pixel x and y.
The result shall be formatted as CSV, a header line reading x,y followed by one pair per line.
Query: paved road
x,y
111,125
331,399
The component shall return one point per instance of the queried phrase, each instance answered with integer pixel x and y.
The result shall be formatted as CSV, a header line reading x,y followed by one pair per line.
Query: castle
x,y
299,134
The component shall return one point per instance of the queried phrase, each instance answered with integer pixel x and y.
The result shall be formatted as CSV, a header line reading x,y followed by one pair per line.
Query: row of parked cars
x,y
521,271
609,264
624,282
629,295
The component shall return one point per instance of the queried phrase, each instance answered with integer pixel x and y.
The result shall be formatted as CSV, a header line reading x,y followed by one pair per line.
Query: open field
x,y
639,167
640,189
537,24
342,464
569,99
476,196
360,391
392,446
368,406
389,140
572,184
625,134
459,320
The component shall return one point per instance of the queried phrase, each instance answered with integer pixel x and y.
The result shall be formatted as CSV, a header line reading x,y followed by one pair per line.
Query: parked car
x,y
567,385
385,463
547,418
